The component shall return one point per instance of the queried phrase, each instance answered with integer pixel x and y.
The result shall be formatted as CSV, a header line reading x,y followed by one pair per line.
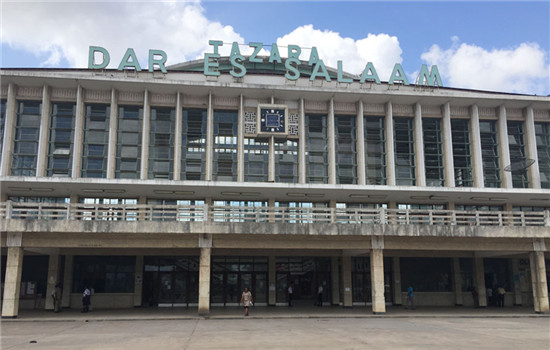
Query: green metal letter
x,y
215,43
126,63
211,64
106,58
294,51
320,66
160,62
237,64
257,47
341,78
430,78
369,76
275,56
314,56
398,75
291,69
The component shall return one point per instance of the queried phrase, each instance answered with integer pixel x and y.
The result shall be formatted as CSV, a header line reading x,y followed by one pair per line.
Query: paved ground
x,y
280,328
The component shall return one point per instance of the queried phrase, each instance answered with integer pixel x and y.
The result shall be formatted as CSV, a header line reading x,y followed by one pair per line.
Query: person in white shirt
x,y
290,291
320,295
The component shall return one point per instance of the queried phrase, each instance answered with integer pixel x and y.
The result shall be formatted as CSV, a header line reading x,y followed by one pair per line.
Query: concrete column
x,y
479,273
67,282
204,280
302,144
377,281
142,216
419,146
475,141
504,148
539,282
346,279
9,130
138,282
145,136
533,172
45,118
12,283
390,154
240,141
78,140
53,278
177,138
209,138
516,283
457,277
272,285
271,160
113,125
335,279
397,295
360,136
331,144
448,159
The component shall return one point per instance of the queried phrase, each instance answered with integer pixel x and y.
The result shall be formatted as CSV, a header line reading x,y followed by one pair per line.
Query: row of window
x,y
162,136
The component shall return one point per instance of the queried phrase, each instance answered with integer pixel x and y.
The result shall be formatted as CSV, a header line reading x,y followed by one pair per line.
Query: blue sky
x,y
487,45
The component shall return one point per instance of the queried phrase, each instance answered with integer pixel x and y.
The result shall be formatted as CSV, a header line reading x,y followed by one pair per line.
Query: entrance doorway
x,y
305,274
170,281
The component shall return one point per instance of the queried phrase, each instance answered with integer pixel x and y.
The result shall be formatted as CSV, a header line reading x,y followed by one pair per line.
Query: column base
x,y
9,317
459,304
378,313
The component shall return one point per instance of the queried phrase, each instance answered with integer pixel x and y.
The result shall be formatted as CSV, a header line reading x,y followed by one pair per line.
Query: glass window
x,y
542,132
161,143
375,150
96,139
286,161
346,149
104,274
462,156
426,274
489,153
404,151
516,142
316,149
27,130
2,125
128,155
225,146
256,159
193,145
60,155
433,152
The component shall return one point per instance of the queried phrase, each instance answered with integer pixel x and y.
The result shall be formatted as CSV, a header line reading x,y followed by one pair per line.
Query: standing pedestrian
x,y
320,295
246,300
56,296
290,292
410,297
501,292
86,300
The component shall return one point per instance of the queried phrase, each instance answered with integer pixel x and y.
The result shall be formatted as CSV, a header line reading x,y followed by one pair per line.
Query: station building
x,y
179,189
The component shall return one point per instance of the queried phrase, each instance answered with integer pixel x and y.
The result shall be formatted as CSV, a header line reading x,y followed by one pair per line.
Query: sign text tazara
x,y
158,58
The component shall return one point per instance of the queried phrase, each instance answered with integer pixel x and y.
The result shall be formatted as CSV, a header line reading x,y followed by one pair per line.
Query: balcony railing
x,y
229,214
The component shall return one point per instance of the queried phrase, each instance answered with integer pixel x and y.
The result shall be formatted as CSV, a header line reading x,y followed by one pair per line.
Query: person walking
x,y
410,297
246,300
501,292
320,295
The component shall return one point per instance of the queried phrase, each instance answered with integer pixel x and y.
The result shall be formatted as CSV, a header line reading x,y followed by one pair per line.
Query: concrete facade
x,y
174,239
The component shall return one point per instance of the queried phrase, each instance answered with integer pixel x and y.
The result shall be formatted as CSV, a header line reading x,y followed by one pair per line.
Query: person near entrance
x,y
246,300
501,292
56,296
290,291
86,296
410,297
320,295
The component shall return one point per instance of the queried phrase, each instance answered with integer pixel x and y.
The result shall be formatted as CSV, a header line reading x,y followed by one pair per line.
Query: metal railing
x,y
264,214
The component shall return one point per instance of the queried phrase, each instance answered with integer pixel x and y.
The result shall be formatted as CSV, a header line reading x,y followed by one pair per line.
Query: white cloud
x,y
66,29
380,49
522,69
